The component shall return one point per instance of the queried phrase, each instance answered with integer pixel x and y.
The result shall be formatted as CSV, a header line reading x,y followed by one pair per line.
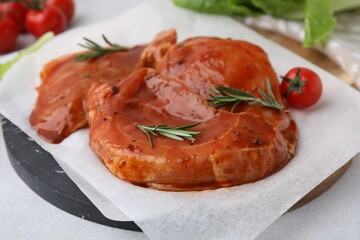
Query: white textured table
x,y
24,215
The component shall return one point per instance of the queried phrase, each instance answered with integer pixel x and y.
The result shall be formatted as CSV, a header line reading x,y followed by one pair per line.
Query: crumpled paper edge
x,y
336,49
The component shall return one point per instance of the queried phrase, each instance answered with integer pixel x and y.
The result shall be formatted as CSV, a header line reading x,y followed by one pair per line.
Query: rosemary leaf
x,y
96,50
177,133
227,95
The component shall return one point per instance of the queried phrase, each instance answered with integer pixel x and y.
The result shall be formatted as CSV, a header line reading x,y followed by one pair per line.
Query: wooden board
x,y
324,62
322,187
309,54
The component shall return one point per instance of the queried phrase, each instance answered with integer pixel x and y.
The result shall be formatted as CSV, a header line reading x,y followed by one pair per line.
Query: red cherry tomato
x,y
301,87
51,18
16,12
8,34
67,6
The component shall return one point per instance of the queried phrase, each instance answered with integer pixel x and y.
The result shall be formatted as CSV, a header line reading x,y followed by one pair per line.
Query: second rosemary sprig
x,y
227,96
177,133
96,50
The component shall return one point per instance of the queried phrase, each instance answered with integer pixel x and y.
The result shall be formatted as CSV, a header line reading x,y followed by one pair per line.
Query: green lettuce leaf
x,y
319,22
279,8
318,15
4,67
224,7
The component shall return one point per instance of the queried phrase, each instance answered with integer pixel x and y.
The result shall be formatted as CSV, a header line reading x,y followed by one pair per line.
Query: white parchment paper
x,y
329,137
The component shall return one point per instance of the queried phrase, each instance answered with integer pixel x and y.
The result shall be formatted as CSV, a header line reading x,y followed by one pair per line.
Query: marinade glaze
x,y
206,63
60,107
233,148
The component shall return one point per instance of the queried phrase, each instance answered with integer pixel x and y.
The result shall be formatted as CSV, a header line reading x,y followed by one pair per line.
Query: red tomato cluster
x,y
35,16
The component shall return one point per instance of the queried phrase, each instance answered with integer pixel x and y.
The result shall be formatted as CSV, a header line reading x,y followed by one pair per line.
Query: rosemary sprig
x,y
96,50
177,133
227,95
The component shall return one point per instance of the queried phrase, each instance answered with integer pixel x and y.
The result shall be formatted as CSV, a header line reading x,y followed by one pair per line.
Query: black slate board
x,y
41,173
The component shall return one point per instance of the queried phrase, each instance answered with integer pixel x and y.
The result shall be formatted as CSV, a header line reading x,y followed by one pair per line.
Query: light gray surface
x,y
333,215
24,215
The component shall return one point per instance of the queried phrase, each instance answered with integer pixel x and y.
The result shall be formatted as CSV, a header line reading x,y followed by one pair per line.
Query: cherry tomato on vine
x,y
50,18
301,87
8,34
16,12
67,6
